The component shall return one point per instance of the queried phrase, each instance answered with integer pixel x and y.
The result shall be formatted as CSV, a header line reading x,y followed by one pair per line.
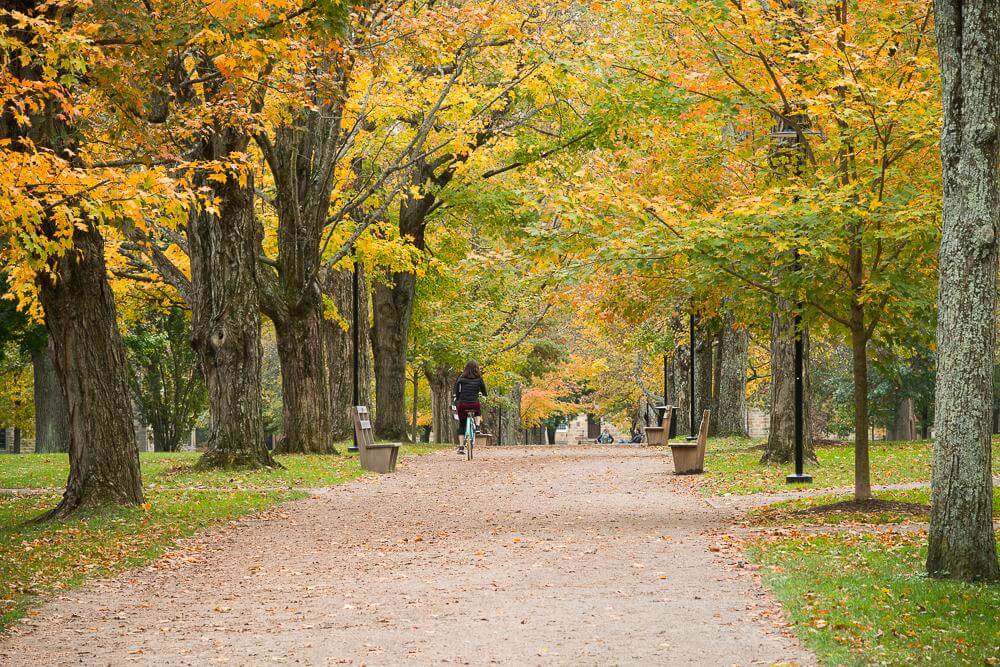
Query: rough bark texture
x,y
730,414
859,364
961,541
442,381
682,389
77,300
307,418
904,422
225,309
302,157
704,375
51,413
392,307
780,446
90,358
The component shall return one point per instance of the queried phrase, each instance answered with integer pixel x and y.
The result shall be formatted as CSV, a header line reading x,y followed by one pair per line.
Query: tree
x,y
58,205
166,384
961,543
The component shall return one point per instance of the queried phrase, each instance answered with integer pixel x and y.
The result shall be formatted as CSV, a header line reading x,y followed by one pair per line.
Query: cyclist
x,y
468,387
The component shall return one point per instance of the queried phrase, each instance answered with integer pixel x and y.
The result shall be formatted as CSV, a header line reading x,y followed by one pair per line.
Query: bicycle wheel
x,y
470,437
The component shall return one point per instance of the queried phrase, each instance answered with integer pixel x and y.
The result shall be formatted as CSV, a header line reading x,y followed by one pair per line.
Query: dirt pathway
x,y
526,556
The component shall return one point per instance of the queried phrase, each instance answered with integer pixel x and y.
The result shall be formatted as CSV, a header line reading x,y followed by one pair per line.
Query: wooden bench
x,y
658,436
689,457
380,458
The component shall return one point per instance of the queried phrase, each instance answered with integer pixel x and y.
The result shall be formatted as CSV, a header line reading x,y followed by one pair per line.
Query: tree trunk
x,y
90,359
442,381
780,447
305,381
392,306
730,414
51,415
413,406
704,375
961,540
225,309
904,423
682,388
859,356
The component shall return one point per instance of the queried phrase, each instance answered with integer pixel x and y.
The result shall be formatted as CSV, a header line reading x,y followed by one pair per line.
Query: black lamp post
x,y
356,344
799,477
694,428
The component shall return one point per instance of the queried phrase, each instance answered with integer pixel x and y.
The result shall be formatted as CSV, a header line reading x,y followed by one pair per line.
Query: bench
x,y
658,436
689,457
380,458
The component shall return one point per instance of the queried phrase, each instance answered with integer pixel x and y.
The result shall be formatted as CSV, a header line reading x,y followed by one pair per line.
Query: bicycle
x,y
470,431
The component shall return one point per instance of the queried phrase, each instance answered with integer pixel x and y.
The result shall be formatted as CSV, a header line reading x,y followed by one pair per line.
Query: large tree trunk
x,y
704,376
90,359
442,381
392,307
961,541
51,414
780,446
859,355
303,339
225,308
682,388
904,422
731,394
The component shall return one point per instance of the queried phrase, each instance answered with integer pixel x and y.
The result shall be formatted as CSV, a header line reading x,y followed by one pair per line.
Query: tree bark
x,y
90,359
413,405
225,309
730,414
392,307
51,414
682,388
903,427
859,357
961,542
780,447
303,339
442,381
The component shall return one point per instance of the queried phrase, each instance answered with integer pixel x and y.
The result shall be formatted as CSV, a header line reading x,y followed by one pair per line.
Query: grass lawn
x,y
795,512
36,561
732,466
860,599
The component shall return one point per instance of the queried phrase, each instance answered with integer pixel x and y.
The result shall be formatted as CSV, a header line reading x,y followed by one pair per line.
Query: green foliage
x,y
166,384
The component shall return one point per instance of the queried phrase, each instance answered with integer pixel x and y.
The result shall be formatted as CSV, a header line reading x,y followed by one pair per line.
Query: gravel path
x,y
573,556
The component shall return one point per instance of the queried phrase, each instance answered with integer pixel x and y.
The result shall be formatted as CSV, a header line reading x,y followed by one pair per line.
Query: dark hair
x,y
471,371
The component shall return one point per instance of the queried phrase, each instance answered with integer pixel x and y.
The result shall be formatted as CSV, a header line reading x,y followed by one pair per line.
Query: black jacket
x,y
468,390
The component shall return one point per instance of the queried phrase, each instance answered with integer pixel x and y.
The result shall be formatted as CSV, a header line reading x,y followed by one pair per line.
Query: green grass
x,y
176,470
38,560
789,512
862,600
732,466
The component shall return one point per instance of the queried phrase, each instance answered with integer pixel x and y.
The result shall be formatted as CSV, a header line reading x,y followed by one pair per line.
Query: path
x,y
525,556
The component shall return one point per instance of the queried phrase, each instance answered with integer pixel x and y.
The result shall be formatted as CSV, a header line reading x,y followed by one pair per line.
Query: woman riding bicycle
x,y
468,387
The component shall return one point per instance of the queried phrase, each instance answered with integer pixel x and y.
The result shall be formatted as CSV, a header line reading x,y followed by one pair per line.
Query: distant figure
x,y
637,438
467,391
605,437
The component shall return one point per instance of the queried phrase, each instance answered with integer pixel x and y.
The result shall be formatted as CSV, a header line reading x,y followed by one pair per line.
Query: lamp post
x,y
799,477
355,345
694,428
